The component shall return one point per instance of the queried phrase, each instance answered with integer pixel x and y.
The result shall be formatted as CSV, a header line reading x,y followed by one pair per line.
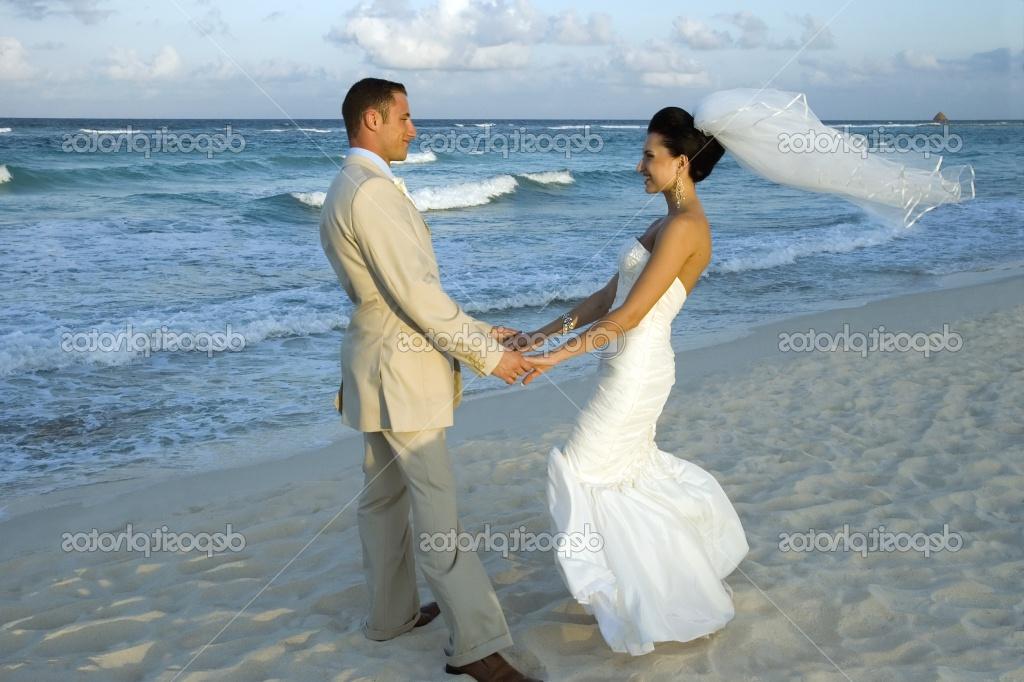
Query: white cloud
x,y
753,33
12,60
221,70
816,35
661,66
699,35
819,71
906,65
279,70
270,70
211,22
86,11
125,64
462,34
567,29
753,29
917,61
1000,60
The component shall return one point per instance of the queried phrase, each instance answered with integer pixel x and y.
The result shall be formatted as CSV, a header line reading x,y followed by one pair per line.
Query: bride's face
x,y
658,166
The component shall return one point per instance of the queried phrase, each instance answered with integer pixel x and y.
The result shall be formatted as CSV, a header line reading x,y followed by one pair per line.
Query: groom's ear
x,y
372,119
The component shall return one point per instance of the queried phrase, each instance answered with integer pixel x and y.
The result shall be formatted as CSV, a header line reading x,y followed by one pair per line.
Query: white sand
x,y
798,441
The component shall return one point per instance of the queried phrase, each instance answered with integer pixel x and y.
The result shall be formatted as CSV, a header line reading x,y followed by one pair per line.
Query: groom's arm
x,y
385,227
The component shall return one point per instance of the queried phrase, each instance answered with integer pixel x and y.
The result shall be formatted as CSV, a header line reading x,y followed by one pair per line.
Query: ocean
x,y
208,233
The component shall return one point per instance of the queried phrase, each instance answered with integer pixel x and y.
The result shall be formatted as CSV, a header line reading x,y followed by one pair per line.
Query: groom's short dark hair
x,y
369,93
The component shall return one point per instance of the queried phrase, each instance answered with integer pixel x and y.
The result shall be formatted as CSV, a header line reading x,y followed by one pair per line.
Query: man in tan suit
x,y
401,381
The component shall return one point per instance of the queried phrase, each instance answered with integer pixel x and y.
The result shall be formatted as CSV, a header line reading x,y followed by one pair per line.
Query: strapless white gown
x,y
670,535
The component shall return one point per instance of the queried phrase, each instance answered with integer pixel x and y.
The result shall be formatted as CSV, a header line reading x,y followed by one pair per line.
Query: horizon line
x,y
430,118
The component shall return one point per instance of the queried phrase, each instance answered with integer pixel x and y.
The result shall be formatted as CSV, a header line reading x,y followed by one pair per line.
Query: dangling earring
x,y
677,191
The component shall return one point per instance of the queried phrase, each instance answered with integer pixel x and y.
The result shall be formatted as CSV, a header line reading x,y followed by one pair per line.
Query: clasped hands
x,y
513,363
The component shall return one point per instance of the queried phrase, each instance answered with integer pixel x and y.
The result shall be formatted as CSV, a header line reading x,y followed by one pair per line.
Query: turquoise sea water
x,y
100,241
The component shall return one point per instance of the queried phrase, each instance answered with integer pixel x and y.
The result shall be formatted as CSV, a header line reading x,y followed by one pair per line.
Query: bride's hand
x,y
523,341
503,334
541,363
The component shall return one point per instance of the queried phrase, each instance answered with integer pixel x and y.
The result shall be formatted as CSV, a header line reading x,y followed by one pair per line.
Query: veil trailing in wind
x,y
776,135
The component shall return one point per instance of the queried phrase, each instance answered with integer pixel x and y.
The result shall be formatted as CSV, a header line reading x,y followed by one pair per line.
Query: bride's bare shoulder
x,y
694,226
694,230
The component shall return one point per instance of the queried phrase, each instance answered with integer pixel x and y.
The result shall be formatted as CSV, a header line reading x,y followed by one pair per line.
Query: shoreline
x,y
316,436
722,351
801,442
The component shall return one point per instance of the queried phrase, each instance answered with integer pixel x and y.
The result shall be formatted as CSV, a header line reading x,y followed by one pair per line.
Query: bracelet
x,y
568,324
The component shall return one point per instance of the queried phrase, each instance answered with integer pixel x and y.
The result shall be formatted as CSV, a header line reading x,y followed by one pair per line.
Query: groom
x,y
400,384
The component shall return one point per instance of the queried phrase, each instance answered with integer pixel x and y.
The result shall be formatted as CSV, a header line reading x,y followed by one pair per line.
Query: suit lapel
x,y
363,162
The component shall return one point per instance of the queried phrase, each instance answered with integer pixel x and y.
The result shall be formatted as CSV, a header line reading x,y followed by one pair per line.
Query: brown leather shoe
x,y
427,614
493,668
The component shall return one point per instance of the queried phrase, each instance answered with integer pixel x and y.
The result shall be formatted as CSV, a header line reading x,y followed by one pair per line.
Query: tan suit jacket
x,y
400,355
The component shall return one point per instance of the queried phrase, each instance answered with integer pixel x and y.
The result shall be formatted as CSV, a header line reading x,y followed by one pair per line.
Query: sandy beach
x,y
802,442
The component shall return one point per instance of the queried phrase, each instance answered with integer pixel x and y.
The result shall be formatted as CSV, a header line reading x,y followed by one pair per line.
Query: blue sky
x,y
507,58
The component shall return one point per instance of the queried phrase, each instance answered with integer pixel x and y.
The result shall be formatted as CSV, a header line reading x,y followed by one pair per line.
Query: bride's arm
x,y
592,308
673,246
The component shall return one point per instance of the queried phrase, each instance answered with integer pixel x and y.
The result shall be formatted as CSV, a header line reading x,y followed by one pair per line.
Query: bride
x,y
670,535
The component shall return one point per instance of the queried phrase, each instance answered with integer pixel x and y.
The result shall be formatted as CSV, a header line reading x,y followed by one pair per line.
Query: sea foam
x,y
840,239
464,194
314,199
557,177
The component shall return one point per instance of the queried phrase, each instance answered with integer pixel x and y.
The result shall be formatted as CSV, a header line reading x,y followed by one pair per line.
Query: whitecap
x,y
417,157
465,194
840,239
557,177
251,319
292,130
314,199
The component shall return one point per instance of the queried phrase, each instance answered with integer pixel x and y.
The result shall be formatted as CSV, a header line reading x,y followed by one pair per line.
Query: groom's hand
x,y
511,366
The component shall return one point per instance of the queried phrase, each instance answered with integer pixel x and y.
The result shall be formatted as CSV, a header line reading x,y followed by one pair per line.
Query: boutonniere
x,y
400,184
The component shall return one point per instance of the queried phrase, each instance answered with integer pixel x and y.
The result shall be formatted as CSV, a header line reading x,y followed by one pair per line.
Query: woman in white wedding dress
x,y
669,534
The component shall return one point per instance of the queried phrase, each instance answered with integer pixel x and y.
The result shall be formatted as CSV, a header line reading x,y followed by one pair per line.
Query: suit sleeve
x,y
385,225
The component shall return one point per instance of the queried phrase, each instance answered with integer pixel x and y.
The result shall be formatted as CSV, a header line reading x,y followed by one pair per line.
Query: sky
x,y
485,59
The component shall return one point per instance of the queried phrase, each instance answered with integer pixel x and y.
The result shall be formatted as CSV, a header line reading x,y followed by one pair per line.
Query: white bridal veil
x,y
776,135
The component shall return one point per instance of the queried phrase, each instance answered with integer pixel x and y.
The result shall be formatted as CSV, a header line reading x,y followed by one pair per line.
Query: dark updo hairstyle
x,y
676,128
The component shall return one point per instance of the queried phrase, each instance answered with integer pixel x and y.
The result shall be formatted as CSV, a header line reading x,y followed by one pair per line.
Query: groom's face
x,y
398,131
